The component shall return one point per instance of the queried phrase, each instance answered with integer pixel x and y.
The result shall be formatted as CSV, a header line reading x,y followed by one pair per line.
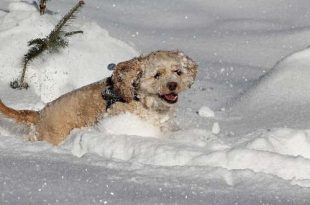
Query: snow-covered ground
x,y
245,136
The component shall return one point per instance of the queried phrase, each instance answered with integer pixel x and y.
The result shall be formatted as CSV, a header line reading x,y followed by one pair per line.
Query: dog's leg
x,y
32,135
31,138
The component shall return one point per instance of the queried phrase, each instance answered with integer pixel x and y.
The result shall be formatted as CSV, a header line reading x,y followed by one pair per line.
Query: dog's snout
x,y
172,86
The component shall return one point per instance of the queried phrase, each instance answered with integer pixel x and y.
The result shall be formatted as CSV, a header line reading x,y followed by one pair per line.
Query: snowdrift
x,y
282,152
282,91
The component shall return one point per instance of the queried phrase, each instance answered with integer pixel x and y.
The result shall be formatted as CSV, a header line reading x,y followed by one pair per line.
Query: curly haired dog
x,y
147,86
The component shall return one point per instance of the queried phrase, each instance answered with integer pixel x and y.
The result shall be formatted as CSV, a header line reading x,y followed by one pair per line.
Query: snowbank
x,y
51,75
285,85
280,152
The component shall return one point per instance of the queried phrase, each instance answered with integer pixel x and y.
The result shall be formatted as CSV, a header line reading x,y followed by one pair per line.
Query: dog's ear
x,y
192,67
189,64
125,77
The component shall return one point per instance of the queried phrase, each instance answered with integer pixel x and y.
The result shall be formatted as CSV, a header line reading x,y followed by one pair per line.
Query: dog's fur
x,y
147,85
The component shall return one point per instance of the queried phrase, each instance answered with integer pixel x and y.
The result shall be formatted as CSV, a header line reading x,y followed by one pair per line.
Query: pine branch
x,y
54,41
36,41
73,33
58,28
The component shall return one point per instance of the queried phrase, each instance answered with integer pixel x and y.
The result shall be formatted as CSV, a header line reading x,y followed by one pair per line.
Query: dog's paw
x,y
31,138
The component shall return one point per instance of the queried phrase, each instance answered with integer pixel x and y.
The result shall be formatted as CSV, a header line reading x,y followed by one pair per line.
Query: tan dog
x,y
147,86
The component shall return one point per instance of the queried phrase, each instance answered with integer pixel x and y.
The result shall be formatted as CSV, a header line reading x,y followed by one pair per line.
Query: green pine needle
x,y
73,33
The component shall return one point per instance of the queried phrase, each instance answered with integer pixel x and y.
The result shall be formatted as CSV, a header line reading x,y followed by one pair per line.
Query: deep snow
x,y
244,136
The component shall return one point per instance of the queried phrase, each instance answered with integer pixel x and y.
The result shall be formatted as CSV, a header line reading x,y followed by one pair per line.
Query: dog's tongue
x,y
171,97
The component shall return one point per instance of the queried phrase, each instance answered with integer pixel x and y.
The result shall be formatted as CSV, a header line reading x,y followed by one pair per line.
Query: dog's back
x,y
76,109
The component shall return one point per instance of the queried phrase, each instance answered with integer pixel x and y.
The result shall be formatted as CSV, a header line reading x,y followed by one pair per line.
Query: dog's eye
x,y
179,72
157,75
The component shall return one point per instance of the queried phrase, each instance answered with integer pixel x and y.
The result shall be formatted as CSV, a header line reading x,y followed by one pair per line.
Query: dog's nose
x,y
172,86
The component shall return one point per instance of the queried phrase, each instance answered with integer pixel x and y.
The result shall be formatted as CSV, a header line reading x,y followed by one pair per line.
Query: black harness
x,y
110,95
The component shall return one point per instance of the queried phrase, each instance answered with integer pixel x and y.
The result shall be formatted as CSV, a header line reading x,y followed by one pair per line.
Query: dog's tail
x,y
24,116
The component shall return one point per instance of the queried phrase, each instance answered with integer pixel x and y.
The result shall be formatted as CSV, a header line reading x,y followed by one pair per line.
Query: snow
x,y
216,128
248,143
128,124
281,152
286,83
205,111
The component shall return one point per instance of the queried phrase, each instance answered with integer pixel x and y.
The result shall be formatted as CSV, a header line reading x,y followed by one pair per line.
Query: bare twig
x,y
42,6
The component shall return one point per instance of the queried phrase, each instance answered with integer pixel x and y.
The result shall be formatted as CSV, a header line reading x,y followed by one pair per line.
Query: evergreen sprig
x,y
53,42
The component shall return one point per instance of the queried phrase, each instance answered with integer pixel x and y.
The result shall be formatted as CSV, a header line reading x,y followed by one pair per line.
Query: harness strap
x,y
109,94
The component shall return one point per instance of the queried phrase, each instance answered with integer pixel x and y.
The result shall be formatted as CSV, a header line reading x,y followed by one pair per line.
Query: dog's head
x,y
155,79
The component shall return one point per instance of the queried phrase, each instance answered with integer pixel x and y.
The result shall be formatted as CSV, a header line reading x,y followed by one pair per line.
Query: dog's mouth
x,y
170,98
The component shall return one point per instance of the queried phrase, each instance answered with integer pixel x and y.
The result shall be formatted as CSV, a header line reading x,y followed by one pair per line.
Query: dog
x,y
147,86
